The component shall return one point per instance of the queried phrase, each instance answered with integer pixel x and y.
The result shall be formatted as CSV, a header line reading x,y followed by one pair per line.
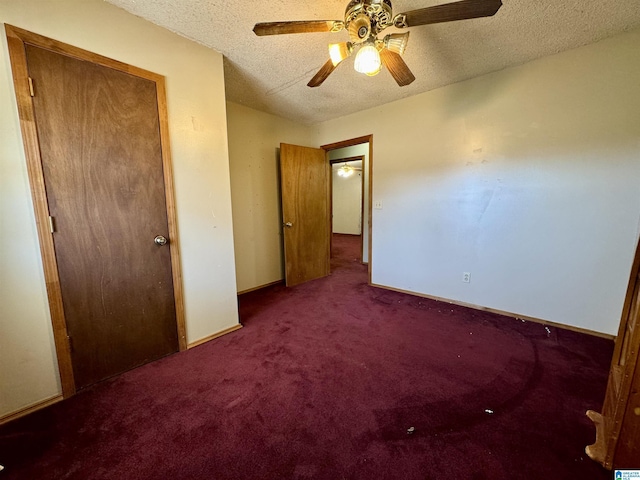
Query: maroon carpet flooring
x,y
325,382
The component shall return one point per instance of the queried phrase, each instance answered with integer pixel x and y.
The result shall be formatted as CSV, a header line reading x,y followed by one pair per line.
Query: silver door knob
x,y
160,240
288,224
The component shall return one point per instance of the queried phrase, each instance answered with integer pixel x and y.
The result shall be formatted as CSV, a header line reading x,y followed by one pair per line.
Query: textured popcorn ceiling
x,y
271,73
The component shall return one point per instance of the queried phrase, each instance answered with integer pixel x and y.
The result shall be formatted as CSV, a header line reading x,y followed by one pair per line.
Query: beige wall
x,y
198,134
254,142
526,178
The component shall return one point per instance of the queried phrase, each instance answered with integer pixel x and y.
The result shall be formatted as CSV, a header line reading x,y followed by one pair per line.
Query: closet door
x,y
96,143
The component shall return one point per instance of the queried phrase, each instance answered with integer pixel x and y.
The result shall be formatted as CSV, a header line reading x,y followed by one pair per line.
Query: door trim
x,y
351,143
17,38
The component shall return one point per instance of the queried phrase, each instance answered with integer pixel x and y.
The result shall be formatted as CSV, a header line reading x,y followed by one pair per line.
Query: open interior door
x,y
304,180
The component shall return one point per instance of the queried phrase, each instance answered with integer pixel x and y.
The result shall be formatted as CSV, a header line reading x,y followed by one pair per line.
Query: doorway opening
x,y
347,203
348,151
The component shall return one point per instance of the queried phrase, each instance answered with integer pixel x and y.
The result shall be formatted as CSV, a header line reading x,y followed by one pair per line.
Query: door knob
x,y
160,240
288,224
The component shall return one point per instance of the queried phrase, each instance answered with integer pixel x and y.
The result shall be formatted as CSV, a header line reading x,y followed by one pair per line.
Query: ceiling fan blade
x,y
311,26
450,12
326,70
397,67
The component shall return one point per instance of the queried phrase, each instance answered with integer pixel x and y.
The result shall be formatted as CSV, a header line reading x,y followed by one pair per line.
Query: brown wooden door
x,y
304,179
99,136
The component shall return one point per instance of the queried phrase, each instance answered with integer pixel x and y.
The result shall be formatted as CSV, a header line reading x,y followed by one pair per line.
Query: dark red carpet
x,y
324,382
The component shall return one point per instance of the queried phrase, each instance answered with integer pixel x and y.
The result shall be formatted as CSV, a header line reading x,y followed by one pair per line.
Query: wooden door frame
x,y
617,407
350,143
17,39
358,158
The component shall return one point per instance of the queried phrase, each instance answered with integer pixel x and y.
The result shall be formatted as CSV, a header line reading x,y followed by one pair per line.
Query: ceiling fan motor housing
x,y
378,12
359,28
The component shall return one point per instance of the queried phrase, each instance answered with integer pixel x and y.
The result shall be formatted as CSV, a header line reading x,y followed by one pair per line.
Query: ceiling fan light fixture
x,y
345,171
368,60
339,51
397,42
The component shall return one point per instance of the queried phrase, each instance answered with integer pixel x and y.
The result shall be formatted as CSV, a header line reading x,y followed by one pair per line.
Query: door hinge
x,y
70,343
31,91
52,225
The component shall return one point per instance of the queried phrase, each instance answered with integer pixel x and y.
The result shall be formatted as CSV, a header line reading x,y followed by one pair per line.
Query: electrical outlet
x,y
466,277
377,204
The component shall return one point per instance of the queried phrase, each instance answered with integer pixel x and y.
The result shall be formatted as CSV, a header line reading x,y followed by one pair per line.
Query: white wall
x,y
356,151
526,178
346,205
198,134
254,143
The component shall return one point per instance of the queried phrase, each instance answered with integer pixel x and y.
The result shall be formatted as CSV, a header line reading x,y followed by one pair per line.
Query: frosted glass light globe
x,y
368,60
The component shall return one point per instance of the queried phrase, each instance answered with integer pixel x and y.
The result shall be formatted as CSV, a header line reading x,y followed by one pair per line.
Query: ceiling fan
x,y
364,20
